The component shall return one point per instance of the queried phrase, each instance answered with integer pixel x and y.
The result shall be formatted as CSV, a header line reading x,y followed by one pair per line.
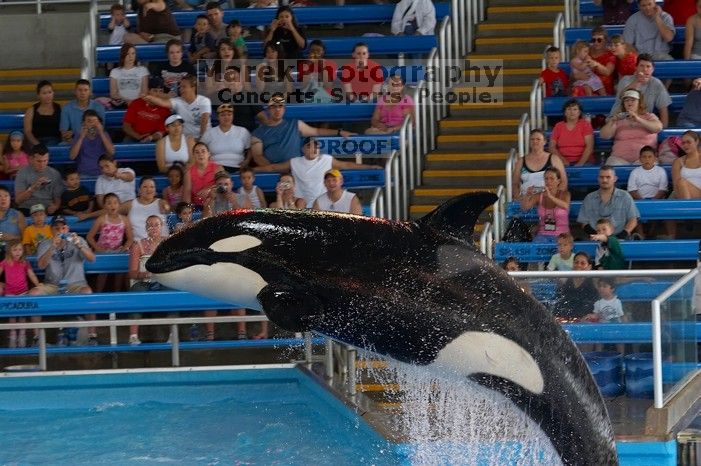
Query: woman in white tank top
x,y
145,205
686,170
174,146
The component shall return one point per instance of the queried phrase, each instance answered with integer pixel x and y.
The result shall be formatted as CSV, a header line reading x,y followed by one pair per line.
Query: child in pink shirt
x,y
14,155
17,270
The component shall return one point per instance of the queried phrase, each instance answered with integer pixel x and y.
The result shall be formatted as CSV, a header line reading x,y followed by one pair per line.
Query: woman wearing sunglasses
x,y
601,60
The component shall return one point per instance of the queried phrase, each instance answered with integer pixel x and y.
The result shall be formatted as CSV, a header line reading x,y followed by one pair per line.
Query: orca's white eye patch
x,y
235,243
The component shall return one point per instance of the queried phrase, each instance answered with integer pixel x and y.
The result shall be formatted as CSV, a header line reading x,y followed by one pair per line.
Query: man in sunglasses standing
x,y
63,260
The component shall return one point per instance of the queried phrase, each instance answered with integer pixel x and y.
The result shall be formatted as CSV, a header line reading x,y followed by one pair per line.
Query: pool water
x,y
271,416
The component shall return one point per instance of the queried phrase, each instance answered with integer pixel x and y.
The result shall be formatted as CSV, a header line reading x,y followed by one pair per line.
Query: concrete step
x,y
501,29
21,106
465,161
436,196
30,76
491,111
477,126
495,3
525,46
487,178
512,63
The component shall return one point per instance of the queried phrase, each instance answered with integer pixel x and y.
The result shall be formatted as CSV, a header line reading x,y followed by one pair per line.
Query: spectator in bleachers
x,y
38,183
248,112
414,17
391,108
680,10
586,82
200,176
285,197
626,56
14,155
529,170
175,147
114,179
215,16
601,60
144,122
692,35
222,198
91,143
202,44
615,11
650,30
631,128
573,138
128,81
175,69
648,181
18,274
63,260
263,4
563,259
511,264
228,144
110,233
143,206
555,80
174,192
72,112
654,91
337,199
279,139
607,309
611,203
270,73
194,109
318,73
690,116
553,207
155,23
308,170
42,120
12,221
285,31
119,24
184,212
249,193
75,199
234,32
361,78
686,170
38,231
609,255
139,252
575,296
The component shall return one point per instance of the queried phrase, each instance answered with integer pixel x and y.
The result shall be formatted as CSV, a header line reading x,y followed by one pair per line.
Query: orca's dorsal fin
x,y
457,216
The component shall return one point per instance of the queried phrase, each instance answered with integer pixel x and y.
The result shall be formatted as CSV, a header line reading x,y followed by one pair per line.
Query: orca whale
x,y
418,292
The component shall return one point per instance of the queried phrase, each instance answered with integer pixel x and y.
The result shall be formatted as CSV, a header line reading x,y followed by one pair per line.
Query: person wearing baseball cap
x,y
144,122
654,92
38,231
228,144
337,199
175,146
278,139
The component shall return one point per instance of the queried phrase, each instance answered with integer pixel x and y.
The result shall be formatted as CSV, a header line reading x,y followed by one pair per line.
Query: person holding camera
x,y
553,207
63,260
284,30
222,198
38,183
285,197
92,142
528,171
632,128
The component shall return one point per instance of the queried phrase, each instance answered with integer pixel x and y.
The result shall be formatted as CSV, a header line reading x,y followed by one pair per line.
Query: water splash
x,y
447,420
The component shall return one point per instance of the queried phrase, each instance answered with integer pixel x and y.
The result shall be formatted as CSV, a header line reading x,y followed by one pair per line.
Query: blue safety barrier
x,y
352,14
637,332
666,68
546,290
574,34
648,250
650,209
335,47
552,106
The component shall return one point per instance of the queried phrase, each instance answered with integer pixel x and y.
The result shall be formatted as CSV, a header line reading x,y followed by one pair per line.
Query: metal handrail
x,y
498,213
486,240
601,273
657,338
536,104
89,43
559,36
373,201
524,129
510,163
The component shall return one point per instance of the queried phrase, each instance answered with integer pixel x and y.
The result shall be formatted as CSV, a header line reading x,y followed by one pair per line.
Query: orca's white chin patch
x,y
489,353
224,281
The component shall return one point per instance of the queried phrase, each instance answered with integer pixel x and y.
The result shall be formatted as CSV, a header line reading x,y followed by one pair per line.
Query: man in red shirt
x,y
362,78
143,121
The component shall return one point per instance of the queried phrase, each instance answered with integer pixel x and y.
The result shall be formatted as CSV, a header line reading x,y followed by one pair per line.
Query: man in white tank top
x,y
309,170
337,199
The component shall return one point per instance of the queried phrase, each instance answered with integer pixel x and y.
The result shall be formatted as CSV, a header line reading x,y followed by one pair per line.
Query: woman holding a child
x,y
631,128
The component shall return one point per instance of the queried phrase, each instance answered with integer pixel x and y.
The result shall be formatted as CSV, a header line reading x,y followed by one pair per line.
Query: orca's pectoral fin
x,y
290,309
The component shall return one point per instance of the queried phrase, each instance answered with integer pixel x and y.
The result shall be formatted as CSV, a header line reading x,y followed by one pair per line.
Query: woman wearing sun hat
x,y
175,146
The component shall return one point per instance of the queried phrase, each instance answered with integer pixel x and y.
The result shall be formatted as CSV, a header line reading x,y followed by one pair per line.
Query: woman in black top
x,y
41,120
285,32
576,296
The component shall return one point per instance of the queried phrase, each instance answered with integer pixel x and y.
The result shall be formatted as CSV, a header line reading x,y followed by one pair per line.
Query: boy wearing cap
x,y
278,139
143,121
38,231
337,199
309,170
63,259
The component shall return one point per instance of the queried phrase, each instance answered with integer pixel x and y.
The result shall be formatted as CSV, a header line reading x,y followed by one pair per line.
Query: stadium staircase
x,y
475,140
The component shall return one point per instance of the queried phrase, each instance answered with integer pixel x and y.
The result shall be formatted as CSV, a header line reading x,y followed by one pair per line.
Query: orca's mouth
x,y
164,261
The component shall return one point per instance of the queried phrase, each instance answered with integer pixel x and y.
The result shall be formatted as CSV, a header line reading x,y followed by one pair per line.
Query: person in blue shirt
x,y
72,112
